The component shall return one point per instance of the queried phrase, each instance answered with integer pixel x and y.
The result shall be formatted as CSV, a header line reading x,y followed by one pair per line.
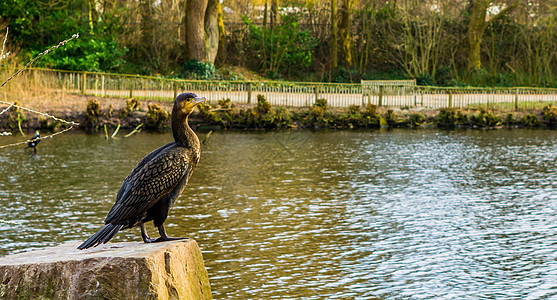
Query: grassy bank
x,y
97,114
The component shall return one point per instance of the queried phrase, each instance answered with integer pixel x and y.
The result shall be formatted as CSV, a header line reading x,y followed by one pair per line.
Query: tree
x,y
211,30
334,35
195,29
477,26
345,31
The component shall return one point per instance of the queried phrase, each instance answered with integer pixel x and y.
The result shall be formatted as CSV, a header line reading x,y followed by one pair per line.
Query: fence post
x,y
516,100
450,99
380,95
249,92
83,83
102,86
132,82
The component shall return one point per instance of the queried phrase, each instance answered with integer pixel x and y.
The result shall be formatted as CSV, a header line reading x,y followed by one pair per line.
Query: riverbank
x,y
93,114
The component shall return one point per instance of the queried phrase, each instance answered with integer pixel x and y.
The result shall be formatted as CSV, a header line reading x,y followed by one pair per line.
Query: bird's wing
x,y
155,179
140,165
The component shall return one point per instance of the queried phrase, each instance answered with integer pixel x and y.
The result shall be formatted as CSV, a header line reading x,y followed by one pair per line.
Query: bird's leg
x,y
144,235
165,237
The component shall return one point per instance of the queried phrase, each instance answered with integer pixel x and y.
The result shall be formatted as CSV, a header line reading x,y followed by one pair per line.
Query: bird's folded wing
x,y
146,186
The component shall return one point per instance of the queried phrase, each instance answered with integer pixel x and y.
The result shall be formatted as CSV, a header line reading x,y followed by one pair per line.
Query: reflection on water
x,y
313,215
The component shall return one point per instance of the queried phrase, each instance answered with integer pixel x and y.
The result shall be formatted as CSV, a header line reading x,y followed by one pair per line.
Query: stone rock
x,y
168,270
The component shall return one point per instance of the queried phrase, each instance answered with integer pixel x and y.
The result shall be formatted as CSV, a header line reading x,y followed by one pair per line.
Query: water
x,y
320,215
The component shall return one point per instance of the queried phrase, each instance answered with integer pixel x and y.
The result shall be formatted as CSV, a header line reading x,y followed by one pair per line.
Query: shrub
x,y
321,103
353,109
550,115
156,117
485,118
263,106
416,119
200,70
92,114
225,103
370,110
390,118
531,120
447,118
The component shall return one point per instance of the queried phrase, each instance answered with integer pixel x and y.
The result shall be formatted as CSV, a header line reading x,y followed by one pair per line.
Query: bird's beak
x,y
198,100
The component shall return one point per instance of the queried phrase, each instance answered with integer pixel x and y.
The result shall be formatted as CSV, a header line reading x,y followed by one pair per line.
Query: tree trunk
x,y
477,26
147,28
334,35
345,30
195,31
274,12
211,31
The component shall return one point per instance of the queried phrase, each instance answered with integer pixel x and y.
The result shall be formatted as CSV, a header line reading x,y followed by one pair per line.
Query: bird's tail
x,y
102,236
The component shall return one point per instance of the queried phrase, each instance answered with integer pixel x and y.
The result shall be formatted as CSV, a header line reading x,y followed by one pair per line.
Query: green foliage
x,y
263,106
156,117
343,75
284,49
89,52
194,69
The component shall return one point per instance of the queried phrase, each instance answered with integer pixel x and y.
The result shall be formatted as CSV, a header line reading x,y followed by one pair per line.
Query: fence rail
x,y
295,93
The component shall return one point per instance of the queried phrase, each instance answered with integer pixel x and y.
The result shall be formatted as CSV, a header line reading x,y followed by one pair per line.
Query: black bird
x,y
34,141
156,182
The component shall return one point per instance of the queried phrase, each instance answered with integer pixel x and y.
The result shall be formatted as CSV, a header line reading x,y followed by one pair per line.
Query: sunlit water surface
x,y
320,215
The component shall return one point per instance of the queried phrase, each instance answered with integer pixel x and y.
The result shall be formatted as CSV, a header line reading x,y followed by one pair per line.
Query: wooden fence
x,y
299,94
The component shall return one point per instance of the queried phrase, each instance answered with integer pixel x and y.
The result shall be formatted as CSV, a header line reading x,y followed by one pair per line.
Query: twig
x,y
7,108
105,132
206,137
2,56
62,43
9,222
42,114
42,138
134,131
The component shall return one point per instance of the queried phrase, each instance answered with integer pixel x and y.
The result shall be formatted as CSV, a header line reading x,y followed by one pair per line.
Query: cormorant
x,y
155,183
34,141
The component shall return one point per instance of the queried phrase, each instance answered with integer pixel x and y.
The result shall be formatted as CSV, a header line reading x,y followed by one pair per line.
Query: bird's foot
x,y
164,239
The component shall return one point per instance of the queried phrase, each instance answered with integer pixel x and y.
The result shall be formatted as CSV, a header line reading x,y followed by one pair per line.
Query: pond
x,y
314,215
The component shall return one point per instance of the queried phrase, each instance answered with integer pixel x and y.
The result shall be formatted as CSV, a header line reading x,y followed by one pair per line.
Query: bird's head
x,y
186,102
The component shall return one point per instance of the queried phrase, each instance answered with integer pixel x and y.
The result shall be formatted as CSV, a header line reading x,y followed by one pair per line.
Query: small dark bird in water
x,y
34,141
156,182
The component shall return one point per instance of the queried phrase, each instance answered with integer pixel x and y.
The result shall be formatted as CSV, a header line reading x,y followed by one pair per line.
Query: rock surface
x,y
168,270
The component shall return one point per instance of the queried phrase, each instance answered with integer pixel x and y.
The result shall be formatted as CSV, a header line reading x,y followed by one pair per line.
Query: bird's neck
x,y
183,134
